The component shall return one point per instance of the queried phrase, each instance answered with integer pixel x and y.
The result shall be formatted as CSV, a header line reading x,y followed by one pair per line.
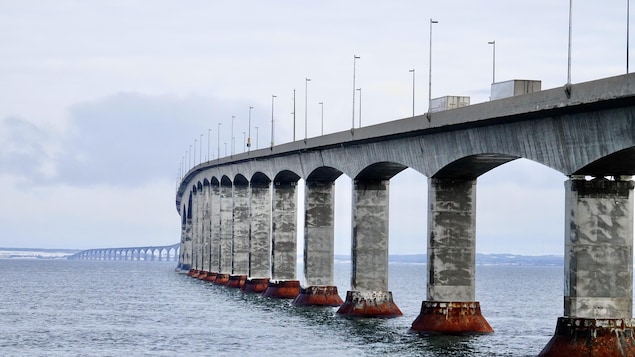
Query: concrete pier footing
x,y
221,279
236,281
591,337
369,304
282,289
210,277
451,318
318,296
255,285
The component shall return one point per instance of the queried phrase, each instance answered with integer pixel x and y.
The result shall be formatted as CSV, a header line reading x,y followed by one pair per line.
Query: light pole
x,y
413,91
200,150
493,43
244,141
231,143
430,71
256,138
272,98
189,160
218,142
360,107
194,162
306,104
322,105
354,60
225,149
249,130
569,47
209,132
293,114
185,162
628,25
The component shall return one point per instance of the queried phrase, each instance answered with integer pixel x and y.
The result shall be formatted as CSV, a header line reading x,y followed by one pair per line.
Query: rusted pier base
x,y
221,279
369,304
282,289
255,285
318,296
451,318
210,277
193,273
236,281
201,275
591,337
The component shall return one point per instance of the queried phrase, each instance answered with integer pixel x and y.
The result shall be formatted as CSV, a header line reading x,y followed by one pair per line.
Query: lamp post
x,y
189,160
569,47
256,138
360,107
272,122
628,25
293,114
430,71
493,43
225,149
249,131
218,142
354,60
231,143
413,91
244,141
200,150
306,104
194,162
209,132
322,105
185,162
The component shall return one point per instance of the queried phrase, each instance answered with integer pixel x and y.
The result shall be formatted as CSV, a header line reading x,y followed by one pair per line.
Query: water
x,y
115,308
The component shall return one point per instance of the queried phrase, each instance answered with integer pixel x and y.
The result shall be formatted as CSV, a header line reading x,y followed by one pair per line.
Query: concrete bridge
x,y
238,213
150,253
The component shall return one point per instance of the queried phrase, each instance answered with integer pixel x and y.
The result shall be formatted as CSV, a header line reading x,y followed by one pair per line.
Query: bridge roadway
x,y
238,213
150,253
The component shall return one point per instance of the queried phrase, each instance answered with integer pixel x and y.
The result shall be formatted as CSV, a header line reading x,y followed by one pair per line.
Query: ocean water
x,y
120,308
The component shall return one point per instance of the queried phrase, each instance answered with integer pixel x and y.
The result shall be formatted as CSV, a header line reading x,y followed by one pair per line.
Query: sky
x,y
100,101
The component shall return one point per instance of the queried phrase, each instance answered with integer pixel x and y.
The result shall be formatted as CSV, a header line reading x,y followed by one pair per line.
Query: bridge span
x,y
149,253
238,214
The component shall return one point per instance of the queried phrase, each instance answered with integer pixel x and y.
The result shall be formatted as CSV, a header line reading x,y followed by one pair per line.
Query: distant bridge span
x,y
149,253
238,213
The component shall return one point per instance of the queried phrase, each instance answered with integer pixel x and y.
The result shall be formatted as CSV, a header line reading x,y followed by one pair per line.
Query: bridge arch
x,y
620,163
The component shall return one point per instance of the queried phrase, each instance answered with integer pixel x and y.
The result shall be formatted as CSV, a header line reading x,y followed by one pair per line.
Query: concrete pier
x,y
450,308
187,245
283,240
226,226
207,229
319,234
215,226
598,282
369,279
260,228
240,232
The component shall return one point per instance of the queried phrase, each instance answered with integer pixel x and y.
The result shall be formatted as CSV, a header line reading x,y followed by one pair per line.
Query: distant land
x,y
481,259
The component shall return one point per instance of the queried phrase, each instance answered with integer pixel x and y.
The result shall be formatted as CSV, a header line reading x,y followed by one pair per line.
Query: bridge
x,y
238,213
150,253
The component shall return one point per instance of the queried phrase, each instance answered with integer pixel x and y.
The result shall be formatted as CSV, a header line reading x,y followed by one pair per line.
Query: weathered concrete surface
x,y
319,233
226,226
284,246
451,318
260,242
369,304
451,240
216,229
369,246
318,296
187,246
206,223
197,239
240,246
598,249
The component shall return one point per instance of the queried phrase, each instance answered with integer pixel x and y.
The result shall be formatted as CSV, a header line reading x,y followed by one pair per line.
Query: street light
x,y
194,162
225,149
430,71
272,138
493,43
256,138
232,137
293,114
249,130
322,105
209,132
413,91
628,24
244,141
360,107
306,103
354,60
218,142
189,160
569,49
200,150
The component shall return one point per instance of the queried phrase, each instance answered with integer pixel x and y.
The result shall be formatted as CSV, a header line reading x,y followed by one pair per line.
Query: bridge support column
x,y
186,251
450,307
197,230
214,259
319,252
206,230
598,283
240,234
259,243
226,234
284,284
369,279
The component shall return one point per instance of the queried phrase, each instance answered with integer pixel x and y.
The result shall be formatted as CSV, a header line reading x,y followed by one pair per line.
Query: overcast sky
x,y
100,101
